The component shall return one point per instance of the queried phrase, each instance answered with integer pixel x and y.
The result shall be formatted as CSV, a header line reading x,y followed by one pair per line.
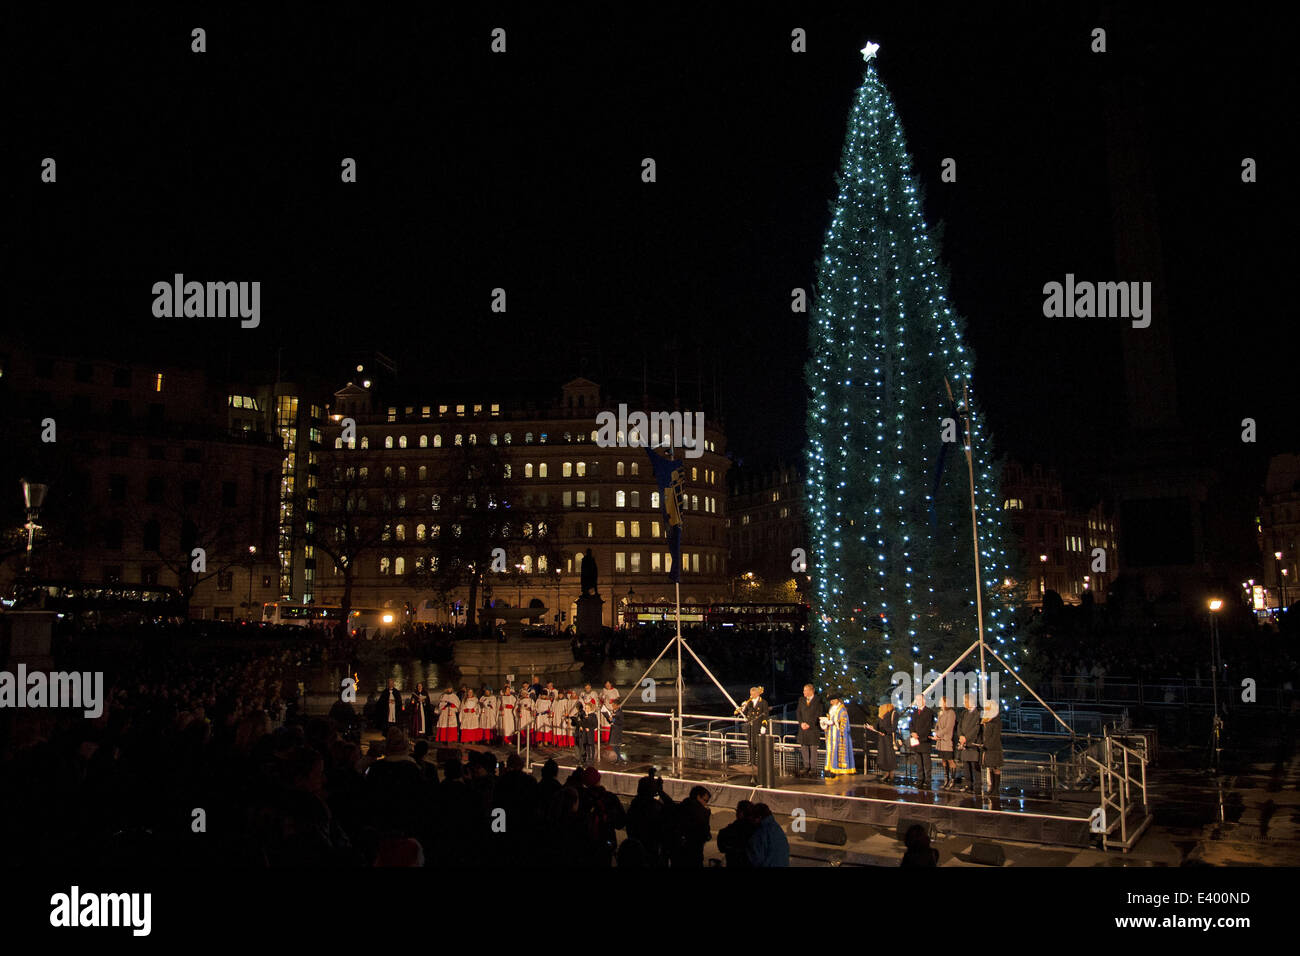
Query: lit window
x,y
619,469
635,469
401,532
507,438
635,501
582,469
478,409
620,529
528,564
419,532
620,499
399,566
492,439
442,410
423,472
541,562
654,499
695,474
620,561
655,562
437,441
528,438
541,470
157,381
582,499
384,564
460,411
388,441
636,563
496,409
568,469
460,440
654,529
424,412
424,441
365,441
528,469
568,499
636,529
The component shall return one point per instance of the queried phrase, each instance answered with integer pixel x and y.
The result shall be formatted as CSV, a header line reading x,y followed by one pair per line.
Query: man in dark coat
x,y
809,713
733,839
968,735
919,741
390,706
691,823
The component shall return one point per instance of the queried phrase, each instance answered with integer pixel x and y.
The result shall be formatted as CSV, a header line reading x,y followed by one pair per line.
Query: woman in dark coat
x,y
886,726
968,737
991,735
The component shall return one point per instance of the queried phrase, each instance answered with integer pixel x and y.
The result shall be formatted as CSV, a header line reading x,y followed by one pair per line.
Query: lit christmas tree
x,y
889,508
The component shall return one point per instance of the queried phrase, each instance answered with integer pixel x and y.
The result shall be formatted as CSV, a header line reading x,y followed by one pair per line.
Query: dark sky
x,y
523,171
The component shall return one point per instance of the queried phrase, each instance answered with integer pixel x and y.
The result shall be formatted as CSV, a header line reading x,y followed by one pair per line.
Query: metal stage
x,y
857,799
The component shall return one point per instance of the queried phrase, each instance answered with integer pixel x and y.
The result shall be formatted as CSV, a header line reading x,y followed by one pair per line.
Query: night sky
x,y
523,171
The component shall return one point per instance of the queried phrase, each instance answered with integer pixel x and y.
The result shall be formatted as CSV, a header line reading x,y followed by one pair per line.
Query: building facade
x,y
402,455
767,533
1067,548
1279,531
148,484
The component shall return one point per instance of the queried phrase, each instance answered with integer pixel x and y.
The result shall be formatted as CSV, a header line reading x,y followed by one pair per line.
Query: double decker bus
x,y
367,622
790,617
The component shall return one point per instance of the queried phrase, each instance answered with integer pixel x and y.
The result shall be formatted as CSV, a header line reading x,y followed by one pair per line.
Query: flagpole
x,y
975,534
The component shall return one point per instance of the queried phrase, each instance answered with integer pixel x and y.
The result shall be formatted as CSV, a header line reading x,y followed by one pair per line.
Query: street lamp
x,y
1215,605
252,557
519,586
33,498
558,572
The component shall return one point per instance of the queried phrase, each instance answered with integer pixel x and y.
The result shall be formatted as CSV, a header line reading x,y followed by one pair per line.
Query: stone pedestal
x,y
591,615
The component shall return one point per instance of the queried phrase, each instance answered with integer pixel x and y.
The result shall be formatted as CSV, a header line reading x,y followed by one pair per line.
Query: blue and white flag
x,y
669,475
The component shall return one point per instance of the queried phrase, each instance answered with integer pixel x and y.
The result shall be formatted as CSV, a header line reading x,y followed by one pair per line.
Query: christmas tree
x,y
889,502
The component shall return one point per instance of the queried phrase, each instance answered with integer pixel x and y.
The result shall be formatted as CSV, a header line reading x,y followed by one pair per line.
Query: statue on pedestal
x,y
589,573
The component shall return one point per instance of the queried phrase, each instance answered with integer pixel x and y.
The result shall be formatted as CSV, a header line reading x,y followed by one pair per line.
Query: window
x,y
157,381
423,473
635,469
506,438
401,533
388,441
365,441
695,474
496,409
541,470
635,528
654,499
595,497
620,561
528,469
442,411
654,529
695,562
473,439
636,562
619,469
399,566
567,469
568,499
528,564
506,470
655,564
620,529
225,580
460,440
635,501
384,565
460,411
528,438
492,439
620,499
437,441
435,502
419,532
424,441
582,499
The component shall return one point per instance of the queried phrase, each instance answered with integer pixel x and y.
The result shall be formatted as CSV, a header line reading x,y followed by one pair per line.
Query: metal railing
x,y
1122,781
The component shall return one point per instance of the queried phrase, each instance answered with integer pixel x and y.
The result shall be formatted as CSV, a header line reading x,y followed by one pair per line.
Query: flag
x,y
669,477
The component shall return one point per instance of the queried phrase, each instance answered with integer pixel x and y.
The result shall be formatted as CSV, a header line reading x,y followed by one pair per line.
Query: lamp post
x,y
1285,572
1281,595
558,572
33,498
519,586
252,558
1215,604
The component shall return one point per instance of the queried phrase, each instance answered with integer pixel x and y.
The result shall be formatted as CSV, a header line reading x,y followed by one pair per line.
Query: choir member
x,y
448,713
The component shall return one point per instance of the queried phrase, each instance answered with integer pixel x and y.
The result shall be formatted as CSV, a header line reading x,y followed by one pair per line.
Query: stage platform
x,y
857,799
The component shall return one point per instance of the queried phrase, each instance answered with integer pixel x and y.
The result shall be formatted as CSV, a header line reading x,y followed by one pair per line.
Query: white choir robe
x,y
509,711
525,715
448,711
543,735
469,732
608,696
563,727
488,716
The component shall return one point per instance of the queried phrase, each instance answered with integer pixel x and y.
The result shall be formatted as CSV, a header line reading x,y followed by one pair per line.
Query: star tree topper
x,y
869,51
